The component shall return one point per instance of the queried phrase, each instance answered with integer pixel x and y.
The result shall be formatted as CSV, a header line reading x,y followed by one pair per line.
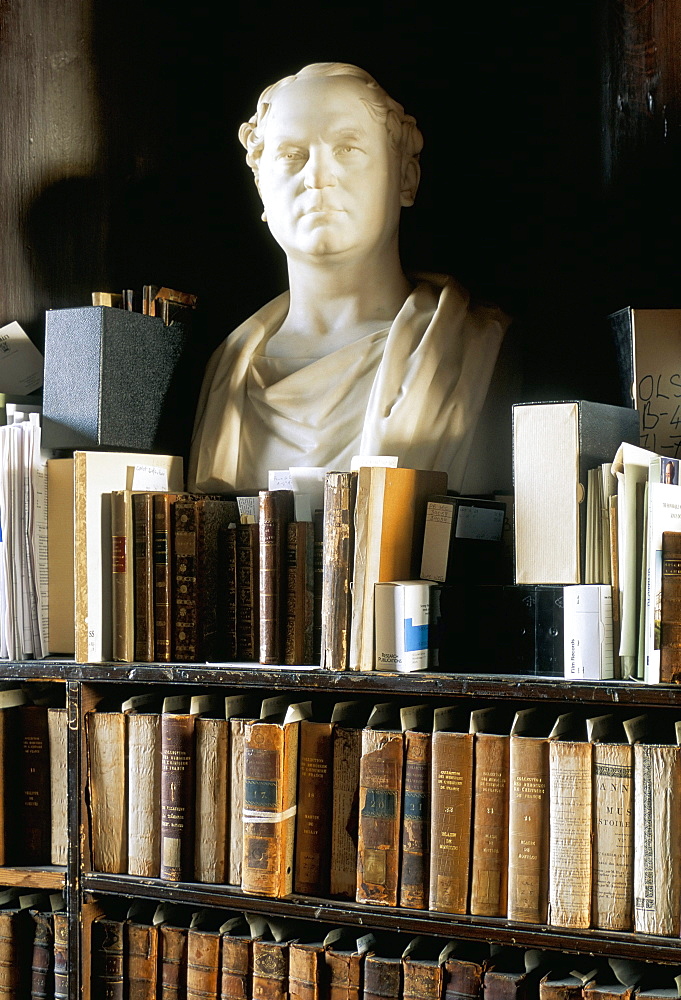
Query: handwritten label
x,y
149,477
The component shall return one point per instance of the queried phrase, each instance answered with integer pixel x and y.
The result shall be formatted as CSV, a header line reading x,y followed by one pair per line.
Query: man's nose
x,y
319,169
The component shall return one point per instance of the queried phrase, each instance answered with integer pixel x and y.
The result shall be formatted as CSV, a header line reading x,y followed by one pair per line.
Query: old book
x,y
60,566
570,804
61,954
276,511
16,945
248,592
489,846
451,810
238,934
122,576
173,927
204,957
200,525
269,980
349,719
96,475
315,790
344,953
299,612
402,622
613,824
107,951
663,513
239,710
462,540
143,734
177,789
423,963
657,811
383,969
144,588
107,785
270,789
317,582
10,702
31,826
670,608
464,971
59,835
514,973
414,877
140,956
307,967
163,563
340,490
42,960
550,520
211,780
528,816
390,512
607,985
227,584
562,985
380,807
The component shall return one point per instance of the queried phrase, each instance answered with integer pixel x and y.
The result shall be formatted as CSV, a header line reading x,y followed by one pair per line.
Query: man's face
x,y
329,177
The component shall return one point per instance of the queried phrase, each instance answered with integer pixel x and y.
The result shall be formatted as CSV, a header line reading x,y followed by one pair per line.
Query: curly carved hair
x,y
402,129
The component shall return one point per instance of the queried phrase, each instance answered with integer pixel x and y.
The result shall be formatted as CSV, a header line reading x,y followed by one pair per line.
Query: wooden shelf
x,y
34,877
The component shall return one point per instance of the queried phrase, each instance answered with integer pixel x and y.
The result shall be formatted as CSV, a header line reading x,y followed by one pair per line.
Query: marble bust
x,y
357,357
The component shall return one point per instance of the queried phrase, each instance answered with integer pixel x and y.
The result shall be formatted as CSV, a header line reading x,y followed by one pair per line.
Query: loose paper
x,y
21,363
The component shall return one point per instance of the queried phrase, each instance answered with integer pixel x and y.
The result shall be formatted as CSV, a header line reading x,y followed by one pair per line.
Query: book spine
x,y
421,979
122,593
33,830
270,764
528,829
657,856
451,811
237,735
42,963
163,576
212,788
143,533
235,978
299,593
347,752
313,831
276,510
173,962
144,794
106,958
229,586
613,806
462,980
344,974
489,853
305,971
59,841
340,489
185,585
415,859
61,955
141,961
248,592
382,978
570,790
380,801
317,583
670,608
270,970
203,965
177,796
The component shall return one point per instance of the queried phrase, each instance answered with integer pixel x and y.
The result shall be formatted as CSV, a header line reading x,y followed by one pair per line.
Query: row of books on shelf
x,y
34,958
486,810
144,949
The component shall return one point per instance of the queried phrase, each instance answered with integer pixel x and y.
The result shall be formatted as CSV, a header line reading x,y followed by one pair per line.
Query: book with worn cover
x,y
204,942
60,922
514,973
122,576
247,592
211,781
276,511
464,971
383,968
240,709
349,718
344,952
414,878
554,446
307,966
163,563
670,608
423,963
177,789
108,790
143,735
107,950
140,954
173,927
143,534
269,980
663,513
238,934
313,830
57,722
340,491
298,646
390,514
42,961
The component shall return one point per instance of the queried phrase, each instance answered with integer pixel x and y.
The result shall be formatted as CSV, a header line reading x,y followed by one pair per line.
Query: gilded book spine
x,y
42,964
276,511
122,577
143,533
107,952
414,875
185,591
270,970
61,955
613,836
177,796
313,831
380,800
452,809
570,784
528,829
299,593
163,576
248,592
347,751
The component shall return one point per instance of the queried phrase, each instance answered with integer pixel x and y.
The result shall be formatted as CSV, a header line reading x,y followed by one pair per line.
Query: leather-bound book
x,y
239,711
344,954
383,968
200,526
340,490
528,816
140,961
415,856
211,780
307,969
606,985
143,734
237,955
227,585
514,973
349,718
122,576
670,608
423,968
42,963
107,784
59,835
276,511
177,790
203,958
451,810
11,701
464,971
61,954
298,646
270,779
107,951
31,830
313,829
317,583
380,807
270,961
248,592
16,945
173,927
489,850
163,559
143,534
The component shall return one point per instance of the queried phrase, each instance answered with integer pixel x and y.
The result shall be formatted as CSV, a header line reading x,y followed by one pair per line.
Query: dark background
x,y
549,171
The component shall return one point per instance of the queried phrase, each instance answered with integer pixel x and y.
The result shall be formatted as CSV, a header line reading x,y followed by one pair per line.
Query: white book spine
x,y
402,610
588,631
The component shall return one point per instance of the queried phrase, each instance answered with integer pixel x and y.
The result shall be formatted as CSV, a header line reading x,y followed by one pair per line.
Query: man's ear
x,y
411,175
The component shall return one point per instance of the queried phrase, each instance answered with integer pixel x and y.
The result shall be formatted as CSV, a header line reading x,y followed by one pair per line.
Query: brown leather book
x,y
211,750
227,583
239,710
177,792
200,627
248,592
344,953
489,850
306,970
163,561
513,974
172,962
313,829
528,816
670,608
31,824
451,810
42,963
203,964
140,961
122,576
464,971
107,951
237,956
415,856
561,986
276,511
61,955
299,593
423,968
340,490
270,779
380,807
383,969
349,718
10,708
317,583
270,962
16,946
143,535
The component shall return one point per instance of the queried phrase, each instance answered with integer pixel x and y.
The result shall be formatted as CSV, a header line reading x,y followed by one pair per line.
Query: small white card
x,y
21,363
380,461
279,479
148,477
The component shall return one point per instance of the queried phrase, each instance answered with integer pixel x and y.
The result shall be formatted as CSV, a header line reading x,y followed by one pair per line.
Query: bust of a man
x,y
356,358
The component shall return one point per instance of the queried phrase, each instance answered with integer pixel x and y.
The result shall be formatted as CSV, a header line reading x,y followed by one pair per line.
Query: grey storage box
x,y
116,379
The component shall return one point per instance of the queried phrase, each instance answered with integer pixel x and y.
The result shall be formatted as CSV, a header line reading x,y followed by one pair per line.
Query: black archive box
x,y
117,380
